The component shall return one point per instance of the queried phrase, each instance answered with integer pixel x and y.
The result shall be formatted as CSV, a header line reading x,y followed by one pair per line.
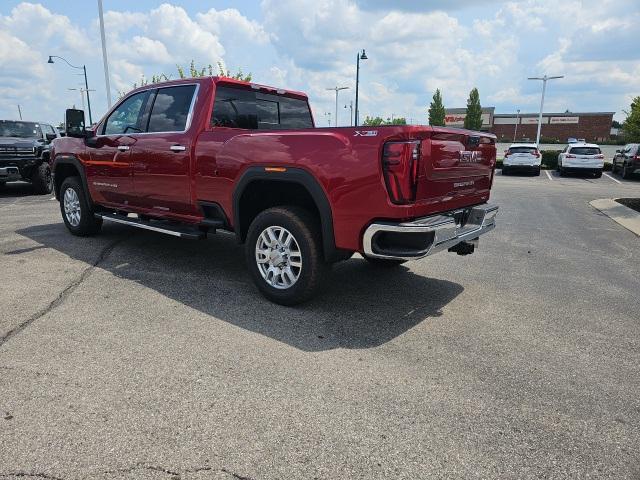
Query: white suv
x,y
522,156
582,157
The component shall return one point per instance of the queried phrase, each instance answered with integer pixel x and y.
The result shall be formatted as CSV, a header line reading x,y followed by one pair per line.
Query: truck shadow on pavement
x,y
361,307
17,189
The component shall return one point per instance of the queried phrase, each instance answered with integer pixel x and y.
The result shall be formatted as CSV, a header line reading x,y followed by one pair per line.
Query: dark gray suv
x,y
627,160
24,153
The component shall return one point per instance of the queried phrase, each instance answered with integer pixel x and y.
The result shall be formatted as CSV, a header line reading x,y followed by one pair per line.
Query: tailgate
x,y
455,163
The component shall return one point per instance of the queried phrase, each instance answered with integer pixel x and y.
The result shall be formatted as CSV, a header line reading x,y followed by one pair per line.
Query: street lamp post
x,y
361,56
515,133
337,89
350,112
544,88
86,84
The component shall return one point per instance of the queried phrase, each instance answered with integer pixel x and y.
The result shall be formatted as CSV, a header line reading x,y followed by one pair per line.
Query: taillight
x,y
600,157
536,154
400,165
570,156
506,153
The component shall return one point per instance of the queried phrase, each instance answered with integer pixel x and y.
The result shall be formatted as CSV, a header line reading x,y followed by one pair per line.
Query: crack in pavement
x,y
64,294
174,474
29,475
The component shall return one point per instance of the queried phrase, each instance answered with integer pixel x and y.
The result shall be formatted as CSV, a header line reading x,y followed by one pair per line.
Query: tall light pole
x,y
515,133
19,112
86,84
544,89
337,89
104,54
361,56
350,112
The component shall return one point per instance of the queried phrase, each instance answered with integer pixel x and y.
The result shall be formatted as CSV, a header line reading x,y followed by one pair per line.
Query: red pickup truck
x,y
193,156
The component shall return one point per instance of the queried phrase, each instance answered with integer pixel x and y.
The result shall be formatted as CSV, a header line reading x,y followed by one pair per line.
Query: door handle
x,y
177,148
123,148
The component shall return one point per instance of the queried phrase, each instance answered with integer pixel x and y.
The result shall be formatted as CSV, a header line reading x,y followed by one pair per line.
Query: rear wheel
x,y
384,262
597,174
536,172
504,171
76,211
283,251
613,167
42,180
562,172
626,172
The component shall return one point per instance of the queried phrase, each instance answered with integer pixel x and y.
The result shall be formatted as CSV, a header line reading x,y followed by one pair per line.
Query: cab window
x,y
127,117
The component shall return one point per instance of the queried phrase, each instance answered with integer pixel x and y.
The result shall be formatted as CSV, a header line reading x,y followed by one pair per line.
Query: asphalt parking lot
x,y
137,355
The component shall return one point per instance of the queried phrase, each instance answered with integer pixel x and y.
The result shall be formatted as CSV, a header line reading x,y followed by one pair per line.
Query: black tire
x,y
42,180
563,172
613,167
384,263
505,171
597,174
88,224
536,172
626,172
305,229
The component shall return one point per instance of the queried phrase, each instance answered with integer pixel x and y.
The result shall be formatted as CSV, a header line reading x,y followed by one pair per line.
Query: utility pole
x,y
515,133
337,89
544,80
104,54
19,112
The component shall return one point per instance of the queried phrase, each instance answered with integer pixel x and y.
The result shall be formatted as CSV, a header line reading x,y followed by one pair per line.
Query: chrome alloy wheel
x,y
72,207
278,257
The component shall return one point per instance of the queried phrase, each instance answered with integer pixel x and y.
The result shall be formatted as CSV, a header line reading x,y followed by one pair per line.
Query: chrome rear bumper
x,y
428,235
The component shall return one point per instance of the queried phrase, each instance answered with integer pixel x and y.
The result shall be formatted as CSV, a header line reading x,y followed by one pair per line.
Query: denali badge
x,y
470,157
102,184
366,133
463,184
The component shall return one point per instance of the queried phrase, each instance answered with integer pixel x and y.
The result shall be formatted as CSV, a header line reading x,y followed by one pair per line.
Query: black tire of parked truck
x,y
76,210
626,172
384,263
597,173
283,250
42,180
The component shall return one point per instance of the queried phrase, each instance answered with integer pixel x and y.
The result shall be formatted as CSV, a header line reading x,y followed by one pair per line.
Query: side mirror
x,y
74,123
51,136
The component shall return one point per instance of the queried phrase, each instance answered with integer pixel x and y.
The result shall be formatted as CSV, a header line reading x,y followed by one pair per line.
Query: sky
x,y
413,47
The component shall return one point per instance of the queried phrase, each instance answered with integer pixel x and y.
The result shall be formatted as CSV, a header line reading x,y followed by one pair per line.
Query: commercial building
x,y
592,126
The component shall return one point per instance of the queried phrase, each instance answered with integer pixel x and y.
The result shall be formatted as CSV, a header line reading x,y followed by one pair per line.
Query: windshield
x,y
10,128
585,151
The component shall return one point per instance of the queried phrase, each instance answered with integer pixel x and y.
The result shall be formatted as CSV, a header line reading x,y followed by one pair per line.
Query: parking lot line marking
x,y
548,175
609,176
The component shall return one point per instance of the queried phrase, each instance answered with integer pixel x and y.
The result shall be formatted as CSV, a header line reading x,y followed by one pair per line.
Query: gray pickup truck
x,y
24,153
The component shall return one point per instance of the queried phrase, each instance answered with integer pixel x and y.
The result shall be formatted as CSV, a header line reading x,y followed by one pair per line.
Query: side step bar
x,y
155,226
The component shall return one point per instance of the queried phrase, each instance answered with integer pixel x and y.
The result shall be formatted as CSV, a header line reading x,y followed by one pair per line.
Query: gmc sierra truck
x,y
25,153
193,156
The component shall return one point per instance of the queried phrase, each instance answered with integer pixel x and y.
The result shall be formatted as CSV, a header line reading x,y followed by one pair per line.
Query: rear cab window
x,y
241,108
171,109
530,150
585,151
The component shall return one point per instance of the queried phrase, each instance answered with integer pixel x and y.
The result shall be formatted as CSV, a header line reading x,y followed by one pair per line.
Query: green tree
x,y
631,126
194,72
436,110
378,121
372,121
473,120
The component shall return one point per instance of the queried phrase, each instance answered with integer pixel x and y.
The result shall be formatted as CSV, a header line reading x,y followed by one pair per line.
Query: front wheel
x,y
42,180
284,254
76,211
626,172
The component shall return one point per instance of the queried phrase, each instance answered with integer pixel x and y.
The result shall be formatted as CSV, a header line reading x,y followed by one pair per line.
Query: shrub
x,y
550,159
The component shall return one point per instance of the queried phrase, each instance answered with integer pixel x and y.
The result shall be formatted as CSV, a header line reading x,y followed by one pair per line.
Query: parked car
x,y
627,160
581,157
523,157
25,153
195,155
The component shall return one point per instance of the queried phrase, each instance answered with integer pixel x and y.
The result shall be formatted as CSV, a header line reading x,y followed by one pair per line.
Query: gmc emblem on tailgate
x,y
470,157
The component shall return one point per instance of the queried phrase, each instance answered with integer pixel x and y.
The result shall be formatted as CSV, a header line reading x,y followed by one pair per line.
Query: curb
x,y
625,216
